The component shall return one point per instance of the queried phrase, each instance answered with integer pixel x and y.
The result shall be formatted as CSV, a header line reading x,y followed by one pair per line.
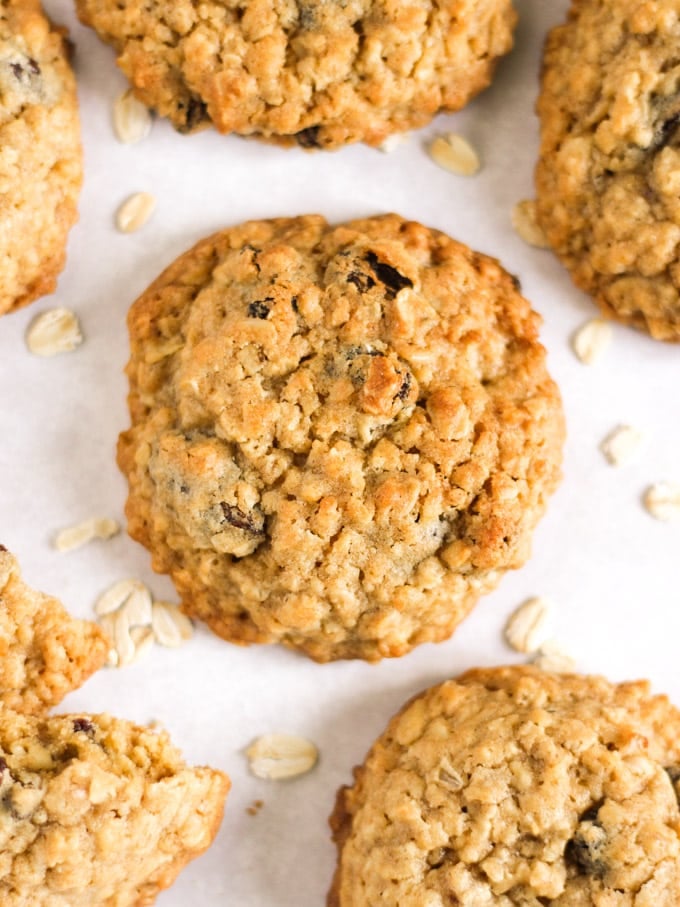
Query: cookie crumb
x,y
662,501
255,807
526,225
76,536
455,154
277,756
591,340
525,628
54,331
621,445
135,212
131,119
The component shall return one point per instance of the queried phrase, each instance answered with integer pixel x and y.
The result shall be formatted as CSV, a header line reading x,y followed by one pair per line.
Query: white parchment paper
x,y
610,569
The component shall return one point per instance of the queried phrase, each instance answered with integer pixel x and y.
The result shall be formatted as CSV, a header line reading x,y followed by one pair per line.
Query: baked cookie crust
x,y
44,652
609,171
316,74
511,786
97,811
40,153
341,436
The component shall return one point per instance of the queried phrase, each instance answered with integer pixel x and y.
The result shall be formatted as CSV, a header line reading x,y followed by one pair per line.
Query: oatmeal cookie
x,y
44,652
319,74
608,177
40,154
341,436
511,786
97,811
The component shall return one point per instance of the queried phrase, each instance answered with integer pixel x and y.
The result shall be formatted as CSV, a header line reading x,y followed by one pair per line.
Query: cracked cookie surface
x,y
511,786
319,74
97,811
44,652
341,436
40,154
608,177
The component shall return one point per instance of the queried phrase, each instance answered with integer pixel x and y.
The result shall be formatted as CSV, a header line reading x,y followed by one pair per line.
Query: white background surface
x,y
611,570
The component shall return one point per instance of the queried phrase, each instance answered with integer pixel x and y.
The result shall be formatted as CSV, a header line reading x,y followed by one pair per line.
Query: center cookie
x,y
341,436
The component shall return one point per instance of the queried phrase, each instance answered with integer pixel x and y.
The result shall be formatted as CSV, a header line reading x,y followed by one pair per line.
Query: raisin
x,y
363,282
584,850
389,276
82,724
309,137
666,132
196,112
258,309
294,304
240,520
2,548
402,393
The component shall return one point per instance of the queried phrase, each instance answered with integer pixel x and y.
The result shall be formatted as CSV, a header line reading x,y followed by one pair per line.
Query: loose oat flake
x,y
455,154
527,227
135,212
277,756
76,536
525,628
551,657
171,628
591,340
118,594
662,501
392,142
621,445
54,331
131,119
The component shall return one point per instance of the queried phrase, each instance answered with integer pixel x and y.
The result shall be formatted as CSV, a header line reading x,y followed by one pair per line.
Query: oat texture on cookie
x,y
316,74
93,810
341,436
40,154
608,178
44,652
512,786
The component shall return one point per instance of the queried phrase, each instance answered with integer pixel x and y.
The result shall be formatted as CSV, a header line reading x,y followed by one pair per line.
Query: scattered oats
x,y
455,154
82,533
525,628
54,331
621,445
662,501
135,212
131,119
591,340
551,657
137,606
143,640
171,628
277,756
526,224
122,640
117,595
392,142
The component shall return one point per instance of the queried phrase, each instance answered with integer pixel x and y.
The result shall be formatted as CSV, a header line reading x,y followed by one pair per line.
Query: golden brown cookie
x,y
341,436
608,175
44,652
511,786
40,154
97,812
319,74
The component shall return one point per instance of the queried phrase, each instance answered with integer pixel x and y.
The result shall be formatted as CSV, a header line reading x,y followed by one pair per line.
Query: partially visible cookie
x,y
511,786
40,153
608,178
97,811
44,652
341,436
316,74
